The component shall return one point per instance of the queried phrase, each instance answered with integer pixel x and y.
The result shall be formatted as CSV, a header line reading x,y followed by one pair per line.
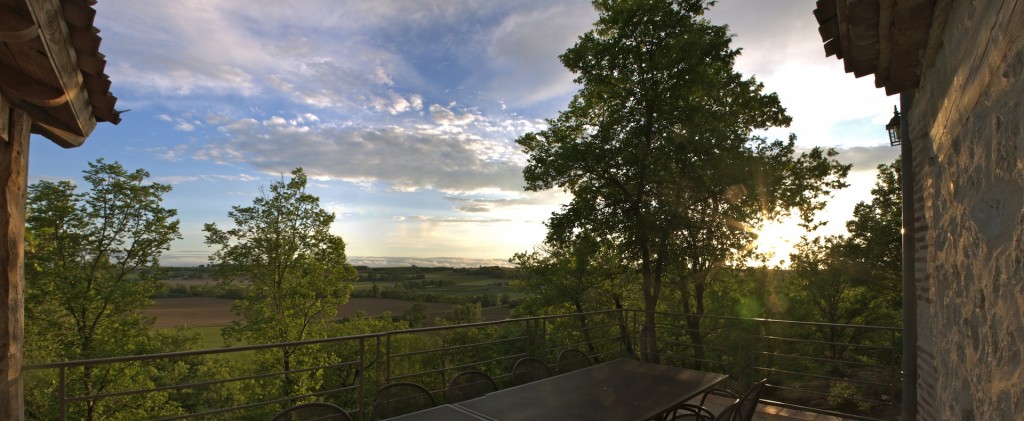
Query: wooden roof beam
x,y
23,86
55,38
885,27
16,28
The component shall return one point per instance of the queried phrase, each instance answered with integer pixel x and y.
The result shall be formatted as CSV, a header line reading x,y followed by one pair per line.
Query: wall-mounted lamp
x,y
894,128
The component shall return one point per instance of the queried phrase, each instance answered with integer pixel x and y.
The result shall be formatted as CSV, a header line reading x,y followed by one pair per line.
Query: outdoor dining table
x,y
618,390
440,413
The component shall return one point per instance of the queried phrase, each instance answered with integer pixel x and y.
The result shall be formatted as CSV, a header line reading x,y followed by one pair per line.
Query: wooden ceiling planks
x,y
55,73
886,38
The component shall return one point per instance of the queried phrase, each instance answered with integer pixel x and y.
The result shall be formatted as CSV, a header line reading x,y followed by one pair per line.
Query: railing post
x,y
387,358
897,380
362,377
62,391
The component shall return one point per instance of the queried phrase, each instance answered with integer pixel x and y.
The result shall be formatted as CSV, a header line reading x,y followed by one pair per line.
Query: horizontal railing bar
x,y
241,407
803,357
815,392
479,344
691,345
443,349
182,354
811,341
203,384
779,321
820,376
493,360
196,353
822,411
463,355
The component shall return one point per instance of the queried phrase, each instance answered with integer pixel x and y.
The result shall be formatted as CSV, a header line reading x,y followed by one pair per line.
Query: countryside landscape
x,y
652,193
191,298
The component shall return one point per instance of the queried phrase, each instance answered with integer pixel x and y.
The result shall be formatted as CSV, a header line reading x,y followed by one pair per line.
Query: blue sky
x,y
404,113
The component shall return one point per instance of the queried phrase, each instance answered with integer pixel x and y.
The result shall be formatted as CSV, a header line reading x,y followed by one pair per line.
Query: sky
x,y
404,114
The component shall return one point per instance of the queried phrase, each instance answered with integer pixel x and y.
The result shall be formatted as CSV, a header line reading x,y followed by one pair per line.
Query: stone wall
x,y
967,132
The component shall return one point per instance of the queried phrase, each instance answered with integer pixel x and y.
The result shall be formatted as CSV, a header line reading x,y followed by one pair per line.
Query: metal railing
x,y
805,370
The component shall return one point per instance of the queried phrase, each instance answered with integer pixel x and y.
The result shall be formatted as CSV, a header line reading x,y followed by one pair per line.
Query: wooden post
x,y
14,136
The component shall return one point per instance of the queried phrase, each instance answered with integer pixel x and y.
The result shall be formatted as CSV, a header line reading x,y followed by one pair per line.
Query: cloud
x,y
447,220
402,158
480,205
453,262
176,179
446,117
524,51
868,158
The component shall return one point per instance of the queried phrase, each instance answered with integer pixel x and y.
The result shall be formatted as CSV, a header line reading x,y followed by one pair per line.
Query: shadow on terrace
x,y
809,368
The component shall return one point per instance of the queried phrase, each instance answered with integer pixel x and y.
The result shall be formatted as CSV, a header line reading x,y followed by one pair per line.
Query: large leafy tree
x,y
90,264
876,228
580,275
656,147
855,279
292,269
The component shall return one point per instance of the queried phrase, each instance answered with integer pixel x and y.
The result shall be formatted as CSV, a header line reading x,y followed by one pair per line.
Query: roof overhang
x,y
51,67
892,39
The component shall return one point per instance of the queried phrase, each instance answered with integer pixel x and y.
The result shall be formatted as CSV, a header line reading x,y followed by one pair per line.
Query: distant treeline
x,y
393,274
412,291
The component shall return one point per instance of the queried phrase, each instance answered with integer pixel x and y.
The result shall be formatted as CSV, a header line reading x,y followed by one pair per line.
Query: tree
x,y
292,269
876,228
91,261
856,279
463,314
579,275
660,127
416,314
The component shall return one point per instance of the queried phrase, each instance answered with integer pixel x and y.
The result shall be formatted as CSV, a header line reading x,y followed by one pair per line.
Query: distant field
x,y
213,312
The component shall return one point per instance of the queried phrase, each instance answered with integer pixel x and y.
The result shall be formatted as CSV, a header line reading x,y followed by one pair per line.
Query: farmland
x,y
193,299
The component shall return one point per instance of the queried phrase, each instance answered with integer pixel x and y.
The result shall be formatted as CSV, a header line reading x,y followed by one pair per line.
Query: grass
x,y
209,337
465,284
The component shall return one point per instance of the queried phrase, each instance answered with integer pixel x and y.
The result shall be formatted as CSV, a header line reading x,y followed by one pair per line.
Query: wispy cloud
x,y
405,159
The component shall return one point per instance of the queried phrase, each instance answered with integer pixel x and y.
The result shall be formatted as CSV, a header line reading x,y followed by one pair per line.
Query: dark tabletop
x,y
439,413
618,390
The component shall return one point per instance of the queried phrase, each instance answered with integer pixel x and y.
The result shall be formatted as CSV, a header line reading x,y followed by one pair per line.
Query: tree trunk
x,y
583,328
14,139
696,339
648,333
627,343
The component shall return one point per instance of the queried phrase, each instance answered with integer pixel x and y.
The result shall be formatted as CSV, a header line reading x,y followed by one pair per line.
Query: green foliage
x,y
91,261
292,269
856,279
416,314
656,149
463,313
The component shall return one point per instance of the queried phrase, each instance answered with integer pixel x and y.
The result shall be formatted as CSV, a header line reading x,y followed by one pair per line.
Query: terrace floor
x,y
769,413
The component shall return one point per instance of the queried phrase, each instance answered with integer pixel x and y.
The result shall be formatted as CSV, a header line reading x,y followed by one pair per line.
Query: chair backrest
x,y
319,411
571,360
401,398
729,412
748,403
528,370
468,385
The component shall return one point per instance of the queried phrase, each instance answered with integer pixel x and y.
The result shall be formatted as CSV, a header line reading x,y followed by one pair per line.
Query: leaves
x,y
656,147
292,268
85,258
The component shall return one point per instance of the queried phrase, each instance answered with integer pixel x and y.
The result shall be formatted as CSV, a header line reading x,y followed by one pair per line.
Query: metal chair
x,y
572,360
313,411
468,385
746,405
401,398
528,370
726,414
